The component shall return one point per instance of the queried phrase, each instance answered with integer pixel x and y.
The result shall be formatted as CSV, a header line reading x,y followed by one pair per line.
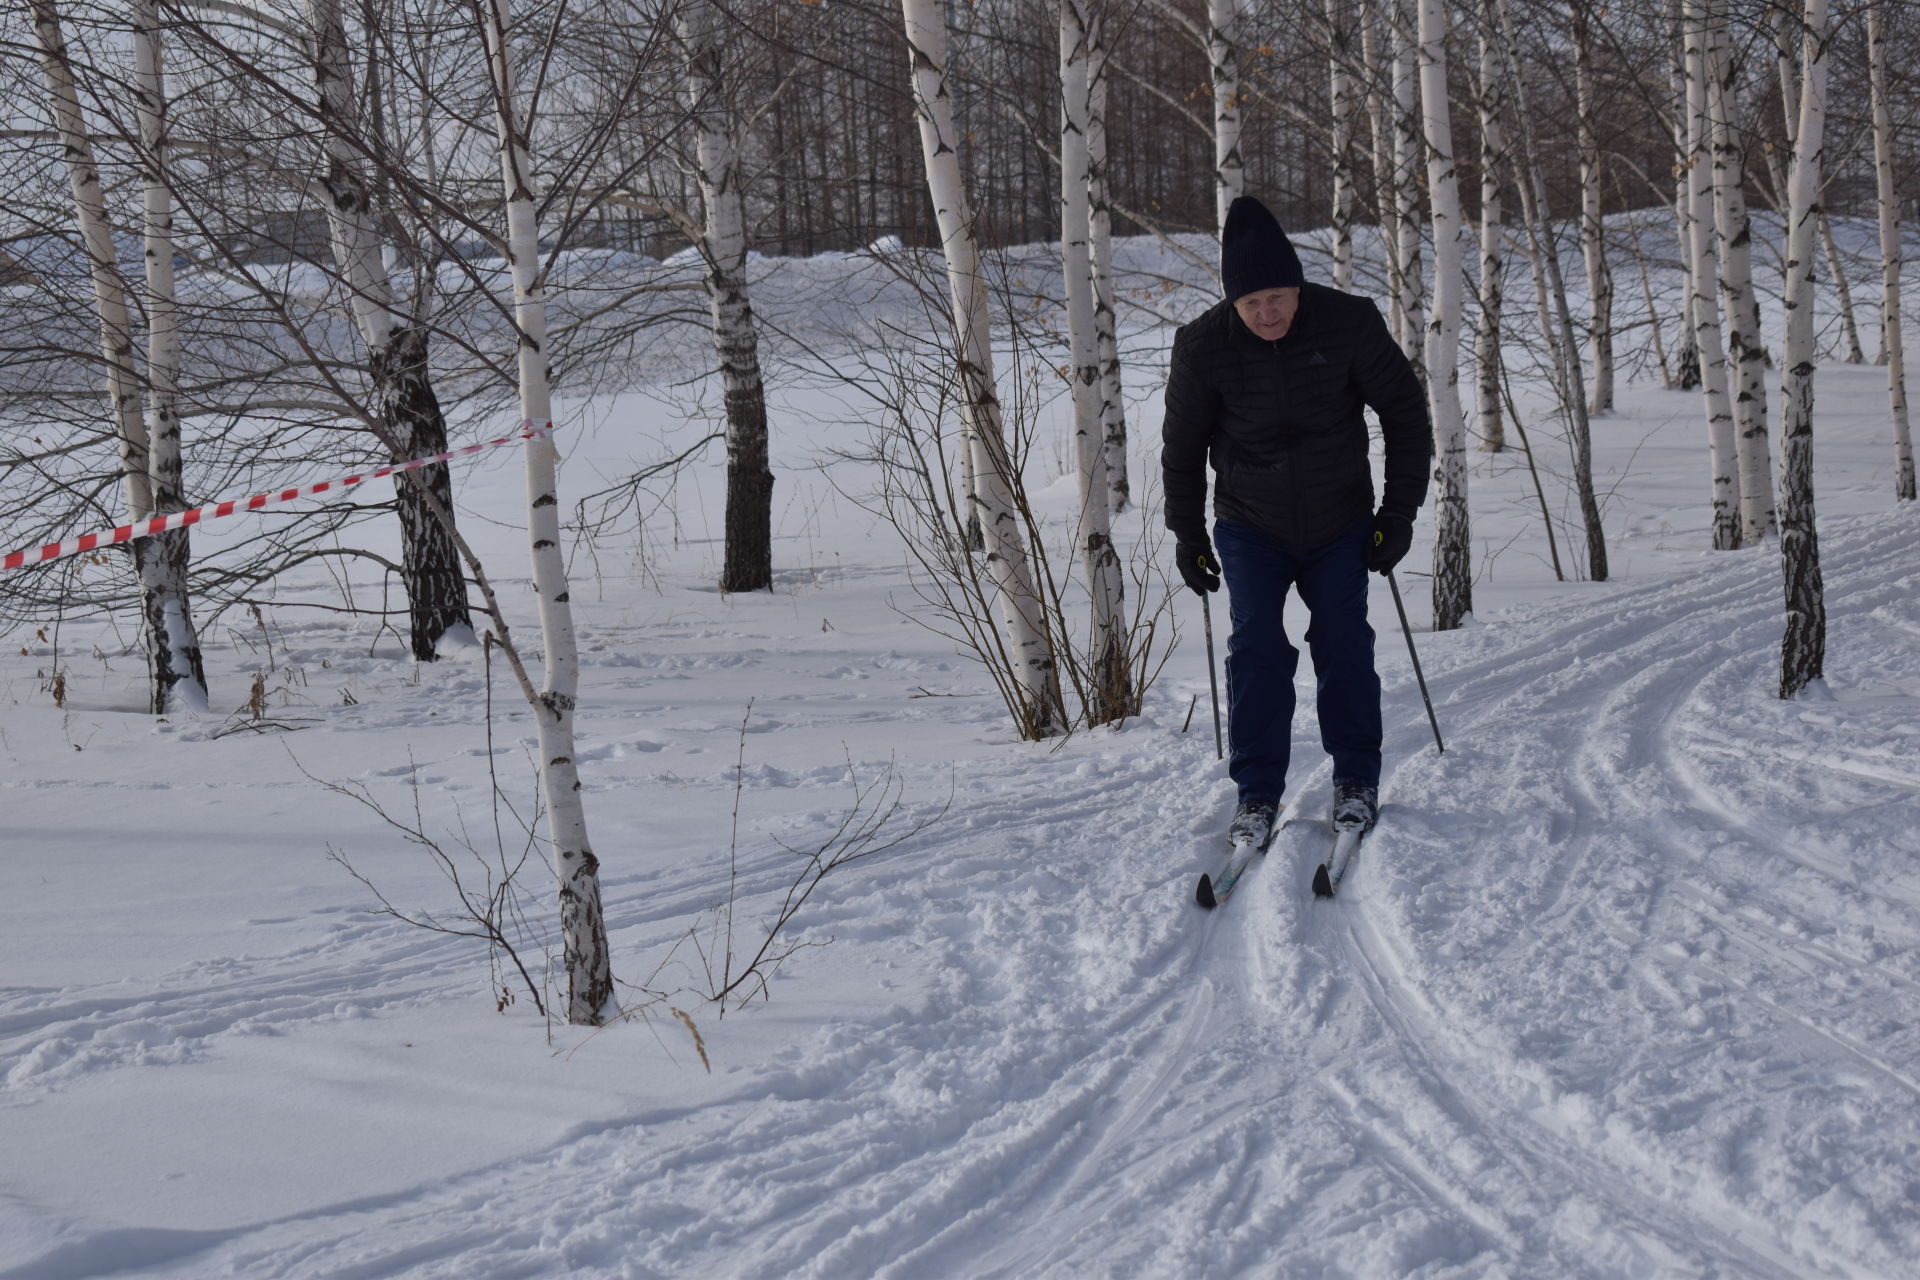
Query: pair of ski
x,y
1214,890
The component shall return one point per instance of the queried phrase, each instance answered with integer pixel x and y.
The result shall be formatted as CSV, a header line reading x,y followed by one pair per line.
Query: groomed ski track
x,y
1622,985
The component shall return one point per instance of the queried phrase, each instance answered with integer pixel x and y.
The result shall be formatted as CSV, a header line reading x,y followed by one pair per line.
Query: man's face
x,y
1269,312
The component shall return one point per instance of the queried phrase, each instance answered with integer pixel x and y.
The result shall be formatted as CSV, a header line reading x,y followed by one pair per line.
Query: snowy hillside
x,y
1624,984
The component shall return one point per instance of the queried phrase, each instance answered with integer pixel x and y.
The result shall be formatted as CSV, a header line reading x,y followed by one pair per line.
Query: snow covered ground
x,y
1623,985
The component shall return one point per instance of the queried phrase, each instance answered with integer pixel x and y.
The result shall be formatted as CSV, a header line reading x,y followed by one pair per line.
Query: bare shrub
x,y
915,448
737,969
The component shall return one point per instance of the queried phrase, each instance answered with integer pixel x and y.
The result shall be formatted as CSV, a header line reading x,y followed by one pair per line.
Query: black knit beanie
x,y
1255,253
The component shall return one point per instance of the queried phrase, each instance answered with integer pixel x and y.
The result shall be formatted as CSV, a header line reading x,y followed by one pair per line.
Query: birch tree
x,y
1113,408
1892,349
1340,123
1687,358
150,475
1453,534
1593,229
173,642
582,926
1223,59
1111,694
748,564
1842,286
1551,290
1792,94
1490,104
396,354
1803,647
1722,445
1745,347
1408,125
1376,44
992,498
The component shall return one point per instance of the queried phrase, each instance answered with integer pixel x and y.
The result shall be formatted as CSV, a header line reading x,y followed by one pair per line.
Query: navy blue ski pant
x,y
1332,582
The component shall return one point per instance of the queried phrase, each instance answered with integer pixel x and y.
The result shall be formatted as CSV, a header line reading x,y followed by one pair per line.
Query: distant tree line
x,y
833,164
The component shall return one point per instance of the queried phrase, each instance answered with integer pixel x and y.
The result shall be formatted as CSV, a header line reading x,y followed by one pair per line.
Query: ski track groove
x,y
1065,1130
1628,641
43,1031
363,965
1022,1257
812,1243
980,1139
1538,1158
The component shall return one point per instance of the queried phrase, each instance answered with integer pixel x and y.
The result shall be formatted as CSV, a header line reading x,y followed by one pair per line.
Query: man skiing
x,y
1269,386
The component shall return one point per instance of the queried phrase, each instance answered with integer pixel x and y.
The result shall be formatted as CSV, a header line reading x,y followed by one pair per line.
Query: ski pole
x,y
1407,631
1213,679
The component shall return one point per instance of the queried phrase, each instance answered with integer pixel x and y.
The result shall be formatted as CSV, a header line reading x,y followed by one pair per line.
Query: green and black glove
x,y
1392,536
1198,569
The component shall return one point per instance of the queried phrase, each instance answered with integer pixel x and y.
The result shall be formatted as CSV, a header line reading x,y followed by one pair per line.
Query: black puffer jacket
x,y
1282,422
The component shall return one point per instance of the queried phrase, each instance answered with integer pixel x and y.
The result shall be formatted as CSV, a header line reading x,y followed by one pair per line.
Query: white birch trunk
x,y
1493,165
1110,696
96,241
1803,646
1375,41
1653,308
1569,381
1029,651
1407,125
1744,347
582,927
1453,540
1782,27
1113,405
1849,325
1792,89
172,641
1223,59
1703,275
1593,231
748,555
172,649
163,336
1687,358
396,359
1340,101
356,242
1892,349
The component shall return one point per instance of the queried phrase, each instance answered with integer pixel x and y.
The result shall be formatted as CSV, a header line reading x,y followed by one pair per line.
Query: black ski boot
x,y
1253,824
1356,806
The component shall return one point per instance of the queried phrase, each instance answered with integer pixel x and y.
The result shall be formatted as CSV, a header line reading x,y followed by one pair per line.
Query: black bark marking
x,y
430,563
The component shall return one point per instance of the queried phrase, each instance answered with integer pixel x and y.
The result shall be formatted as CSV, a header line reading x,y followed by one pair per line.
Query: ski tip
x,y
1322,882
1204,893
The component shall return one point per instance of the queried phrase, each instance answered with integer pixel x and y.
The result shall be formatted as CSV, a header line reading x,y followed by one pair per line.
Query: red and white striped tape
x,y
213,511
